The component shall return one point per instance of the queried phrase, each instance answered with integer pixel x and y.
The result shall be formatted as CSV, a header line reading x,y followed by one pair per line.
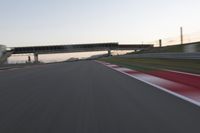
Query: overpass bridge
x,y
36,50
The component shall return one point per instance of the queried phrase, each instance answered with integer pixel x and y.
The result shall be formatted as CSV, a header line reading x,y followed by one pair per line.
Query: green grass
x,y
143,64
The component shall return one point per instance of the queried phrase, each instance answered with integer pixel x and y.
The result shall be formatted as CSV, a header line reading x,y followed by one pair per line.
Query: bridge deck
x,y
77,48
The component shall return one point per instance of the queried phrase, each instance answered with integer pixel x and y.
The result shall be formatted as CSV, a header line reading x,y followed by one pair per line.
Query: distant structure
x,y
2,49
2,53
36,50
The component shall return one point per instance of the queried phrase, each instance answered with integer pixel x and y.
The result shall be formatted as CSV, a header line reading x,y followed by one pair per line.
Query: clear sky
x,y
44,22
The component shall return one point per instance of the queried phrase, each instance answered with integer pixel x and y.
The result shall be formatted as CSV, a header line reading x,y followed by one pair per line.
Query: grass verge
x,y
143,64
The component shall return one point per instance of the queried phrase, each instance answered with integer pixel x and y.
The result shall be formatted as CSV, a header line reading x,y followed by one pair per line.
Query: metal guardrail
x,y
166,55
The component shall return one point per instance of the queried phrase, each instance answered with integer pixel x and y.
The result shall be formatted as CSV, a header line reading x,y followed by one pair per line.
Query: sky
x,y
52,22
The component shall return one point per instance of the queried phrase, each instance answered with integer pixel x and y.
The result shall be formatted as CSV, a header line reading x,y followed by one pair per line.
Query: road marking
x,y
19,67
123,69
8,69
192,74
112,65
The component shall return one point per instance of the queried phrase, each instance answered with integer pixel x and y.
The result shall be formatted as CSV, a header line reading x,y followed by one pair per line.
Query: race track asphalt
x,y
87,97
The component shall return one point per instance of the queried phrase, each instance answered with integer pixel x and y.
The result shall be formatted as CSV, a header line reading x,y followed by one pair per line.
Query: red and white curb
x,y
183,91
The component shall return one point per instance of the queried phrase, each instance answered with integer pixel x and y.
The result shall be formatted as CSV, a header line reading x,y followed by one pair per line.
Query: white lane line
x,y
8,69
192,74
154,79
112,65
123,69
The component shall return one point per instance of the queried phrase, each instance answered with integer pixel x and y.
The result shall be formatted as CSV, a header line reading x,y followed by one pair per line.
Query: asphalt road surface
x,y
87,97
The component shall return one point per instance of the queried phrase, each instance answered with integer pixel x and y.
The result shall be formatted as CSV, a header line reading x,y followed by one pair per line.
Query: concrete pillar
x,y
109,52
36,58
6,61
29,59
160,43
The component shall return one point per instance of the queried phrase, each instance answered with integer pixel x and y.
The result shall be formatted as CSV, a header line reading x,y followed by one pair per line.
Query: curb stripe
x,y
185,92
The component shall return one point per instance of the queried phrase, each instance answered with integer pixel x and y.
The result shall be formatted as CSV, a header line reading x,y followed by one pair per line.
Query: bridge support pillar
x,y
109,52
36,58
160,43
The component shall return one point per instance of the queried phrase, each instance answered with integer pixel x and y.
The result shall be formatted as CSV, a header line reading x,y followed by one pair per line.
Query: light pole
x,y
181,34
